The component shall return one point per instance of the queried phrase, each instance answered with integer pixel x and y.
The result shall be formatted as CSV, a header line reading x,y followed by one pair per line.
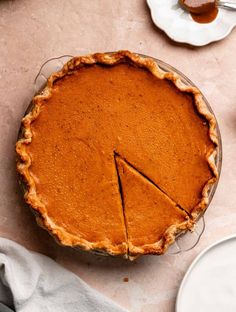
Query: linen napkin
x,y
31,282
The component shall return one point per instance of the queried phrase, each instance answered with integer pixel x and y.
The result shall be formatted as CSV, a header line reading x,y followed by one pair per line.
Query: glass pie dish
x,y
185,241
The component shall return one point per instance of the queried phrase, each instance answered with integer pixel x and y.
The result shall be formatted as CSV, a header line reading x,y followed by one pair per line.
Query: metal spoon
x,y
204,6
227,5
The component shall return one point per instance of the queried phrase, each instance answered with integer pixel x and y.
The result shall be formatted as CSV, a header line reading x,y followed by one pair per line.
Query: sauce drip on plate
x,y
202,11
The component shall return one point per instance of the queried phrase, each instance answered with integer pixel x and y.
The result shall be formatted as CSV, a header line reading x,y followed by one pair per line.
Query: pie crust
x,y
24,160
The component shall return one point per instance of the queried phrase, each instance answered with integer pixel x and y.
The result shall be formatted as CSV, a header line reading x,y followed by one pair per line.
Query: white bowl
x,y
180,27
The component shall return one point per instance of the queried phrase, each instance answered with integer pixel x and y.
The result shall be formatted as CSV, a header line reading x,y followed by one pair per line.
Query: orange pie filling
x,y
115,158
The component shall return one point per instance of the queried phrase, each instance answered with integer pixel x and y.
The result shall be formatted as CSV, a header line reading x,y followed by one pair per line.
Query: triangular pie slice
x,y
152,218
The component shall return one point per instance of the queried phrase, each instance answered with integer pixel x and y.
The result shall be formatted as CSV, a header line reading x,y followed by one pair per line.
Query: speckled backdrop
x,y
31,31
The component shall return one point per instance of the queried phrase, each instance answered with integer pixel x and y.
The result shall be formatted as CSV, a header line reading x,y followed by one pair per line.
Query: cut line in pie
x,y
164,138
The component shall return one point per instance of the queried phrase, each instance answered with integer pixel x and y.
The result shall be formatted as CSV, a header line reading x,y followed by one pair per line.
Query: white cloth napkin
x,y
31,282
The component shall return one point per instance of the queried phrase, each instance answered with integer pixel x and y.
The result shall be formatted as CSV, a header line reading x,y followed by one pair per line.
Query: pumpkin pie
x,y
117,155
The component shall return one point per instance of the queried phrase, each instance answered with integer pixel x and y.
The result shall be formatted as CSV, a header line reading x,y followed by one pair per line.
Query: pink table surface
x,y
33,31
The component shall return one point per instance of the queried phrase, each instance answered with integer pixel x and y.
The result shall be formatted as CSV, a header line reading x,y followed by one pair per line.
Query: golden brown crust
x,y
24,160
162,245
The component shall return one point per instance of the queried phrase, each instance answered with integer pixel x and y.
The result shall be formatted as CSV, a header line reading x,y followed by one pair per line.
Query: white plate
x,y
180,27
210,282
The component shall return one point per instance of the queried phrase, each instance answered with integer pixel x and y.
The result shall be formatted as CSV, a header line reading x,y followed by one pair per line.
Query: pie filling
x,y
128,200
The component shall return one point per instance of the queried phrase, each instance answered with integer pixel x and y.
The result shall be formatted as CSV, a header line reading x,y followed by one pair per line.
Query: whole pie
x,y
117,155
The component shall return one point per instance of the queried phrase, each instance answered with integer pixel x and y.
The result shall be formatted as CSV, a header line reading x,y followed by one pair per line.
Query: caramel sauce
x,y
206,17
202,11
